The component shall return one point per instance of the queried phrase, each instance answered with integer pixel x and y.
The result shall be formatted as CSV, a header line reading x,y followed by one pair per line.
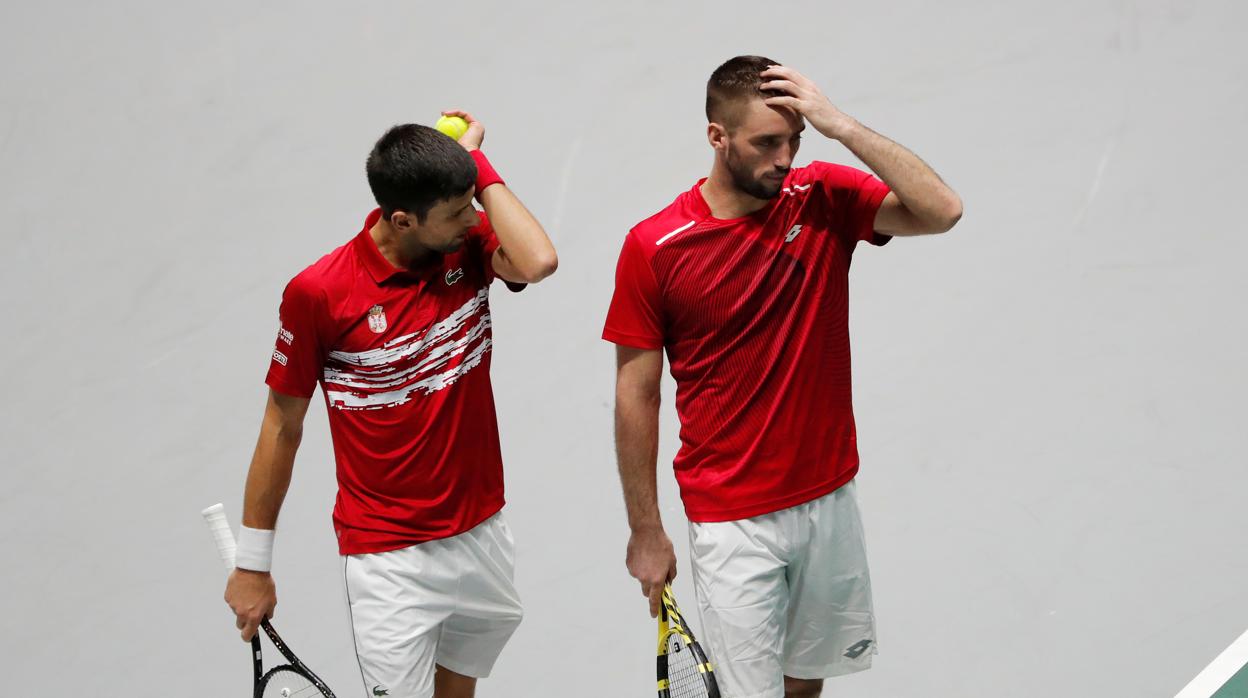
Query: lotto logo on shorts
x,y
855,651
279,357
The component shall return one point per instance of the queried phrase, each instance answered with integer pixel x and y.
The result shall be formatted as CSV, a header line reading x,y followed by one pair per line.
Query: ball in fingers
x,y
452,126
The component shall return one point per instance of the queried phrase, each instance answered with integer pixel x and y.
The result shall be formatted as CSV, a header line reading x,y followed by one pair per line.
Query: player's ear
x,y
402,220
717,135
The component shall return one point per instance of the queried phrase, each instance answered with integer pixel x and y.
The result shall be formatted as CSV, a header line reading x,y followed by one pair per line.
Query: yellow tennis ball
x,y
452,126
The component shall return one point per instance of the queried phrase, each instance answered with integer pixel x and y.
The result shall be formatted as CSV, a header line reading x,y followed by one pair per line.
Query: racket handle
x,y
214,516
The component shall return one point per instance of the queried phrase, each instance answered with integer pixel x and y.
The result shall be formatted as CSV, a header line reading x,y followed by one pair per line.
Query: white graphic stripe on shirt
x,y
437,358
681,229
365,376
393,398
399,347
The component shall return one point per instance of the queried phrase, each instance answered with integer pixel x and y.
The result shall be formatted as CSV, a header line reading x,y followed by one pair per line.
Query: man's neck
x,y
391,246
724,199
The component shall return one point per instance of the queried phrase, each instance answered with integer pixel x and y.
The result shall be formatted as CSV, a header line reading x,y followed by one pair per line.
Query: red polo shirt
x,y
403,359
753,313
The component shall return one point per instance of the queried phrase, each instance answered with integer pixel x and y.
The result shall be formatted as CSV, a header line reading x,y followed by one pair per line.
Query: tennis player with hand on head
x,y
743,281
395,325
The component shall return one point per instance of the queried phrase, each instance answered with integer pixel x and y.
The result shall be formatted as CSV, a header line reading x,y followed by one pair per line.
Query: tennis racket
x,y
293,680
684,670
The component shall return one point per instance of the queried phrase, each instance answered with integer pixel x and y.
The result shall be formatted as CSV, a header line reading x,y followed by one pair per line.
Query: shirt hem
x,y
749,512
289,389
873,205
366,549
632,340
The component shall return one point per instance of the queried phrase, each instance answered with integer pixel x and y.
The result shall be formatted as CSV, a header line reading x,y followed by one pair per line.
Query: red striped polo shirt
x,y
753,313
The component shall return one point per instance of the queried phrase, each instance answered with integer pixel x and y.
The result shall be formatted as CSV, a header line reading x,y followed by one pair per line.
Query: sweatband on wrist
x,y
255,549
485,172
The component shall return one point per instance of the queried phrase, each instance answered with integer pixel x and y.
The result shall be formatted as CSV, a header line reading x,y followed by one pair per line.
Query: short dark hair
x,y
737,79
413,167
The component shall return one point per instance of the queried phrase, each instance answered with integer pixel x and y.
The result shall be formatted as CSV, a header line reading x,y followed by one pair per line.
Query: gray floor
x,y
1048,397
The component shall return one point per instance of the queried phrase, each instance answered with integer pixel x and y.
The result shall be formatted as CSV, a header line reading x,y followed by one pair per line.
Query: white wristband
x,y
255,549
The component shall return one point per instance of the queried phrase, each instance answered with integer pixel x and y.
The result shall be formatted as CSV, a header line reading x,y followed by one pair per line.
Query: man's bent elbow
x,y
948,217
545,266
539,268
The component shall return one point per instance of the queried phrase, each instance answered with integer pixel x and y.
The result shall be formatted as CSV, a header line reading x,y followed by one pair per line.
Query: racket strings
x,y
684,678
287,683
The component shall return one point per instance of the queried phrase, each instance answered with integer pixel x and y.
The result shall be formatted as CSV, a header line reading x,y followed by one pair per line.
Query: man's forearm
x,y
520,236
269,475
916,184
637,449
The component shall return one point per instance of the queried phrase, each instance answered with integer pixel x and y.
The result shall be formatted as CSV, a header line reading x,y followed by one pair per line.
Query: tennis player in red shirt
x,y
395,325
743,281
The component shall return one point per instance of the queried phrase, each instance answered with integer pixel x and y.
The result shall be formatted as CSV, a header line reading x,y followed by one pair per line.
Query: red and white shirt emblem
x,y
377,319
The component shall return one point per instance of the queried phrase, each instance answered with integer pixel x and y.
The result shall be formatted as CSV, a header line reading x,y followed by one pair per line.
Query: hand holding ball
x,y
461,127
452,126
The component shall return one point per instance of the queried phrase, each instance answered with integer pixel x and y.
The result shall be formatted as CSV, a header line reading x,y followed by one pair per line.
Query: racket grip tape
x,y
214,516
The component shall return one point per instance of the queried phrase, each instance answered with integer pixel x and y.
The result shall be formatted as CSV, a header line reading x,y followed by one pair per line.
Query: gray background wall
x,y
1048,397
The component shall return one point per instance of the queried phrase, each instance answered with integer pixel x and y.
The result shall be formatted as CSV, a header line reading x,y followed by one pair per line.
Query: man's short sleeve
x,y
299,356
634,317
486,240
855,197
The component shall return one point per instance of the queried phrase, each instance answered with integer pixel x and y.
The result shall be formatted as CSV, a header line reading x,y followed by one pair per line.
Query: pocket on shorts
x,y
503,544
503,526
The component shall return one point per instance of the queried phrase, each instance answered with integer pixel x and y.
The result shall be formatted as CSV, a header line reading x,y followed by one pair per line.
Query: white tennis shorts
x,y
785,594
448,602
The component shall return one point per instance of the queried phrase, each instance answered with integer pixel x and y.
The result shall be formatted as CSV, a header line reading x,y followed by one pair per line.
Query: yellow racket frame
x,y
671,622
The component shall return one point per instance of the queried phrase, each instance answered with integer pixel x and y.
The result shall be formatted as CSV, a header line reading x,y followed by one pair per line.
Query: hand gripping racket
x,y
293,680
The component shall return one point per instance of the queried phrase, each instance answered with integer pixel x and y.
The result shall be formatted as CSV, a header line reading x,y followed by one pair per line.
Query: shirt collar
x,y
702,209
378,266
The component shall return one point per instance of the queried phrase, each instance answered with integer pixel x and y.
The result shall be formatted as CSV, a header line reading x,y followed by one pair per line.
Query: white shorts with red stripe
x,y
785,594
449,602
